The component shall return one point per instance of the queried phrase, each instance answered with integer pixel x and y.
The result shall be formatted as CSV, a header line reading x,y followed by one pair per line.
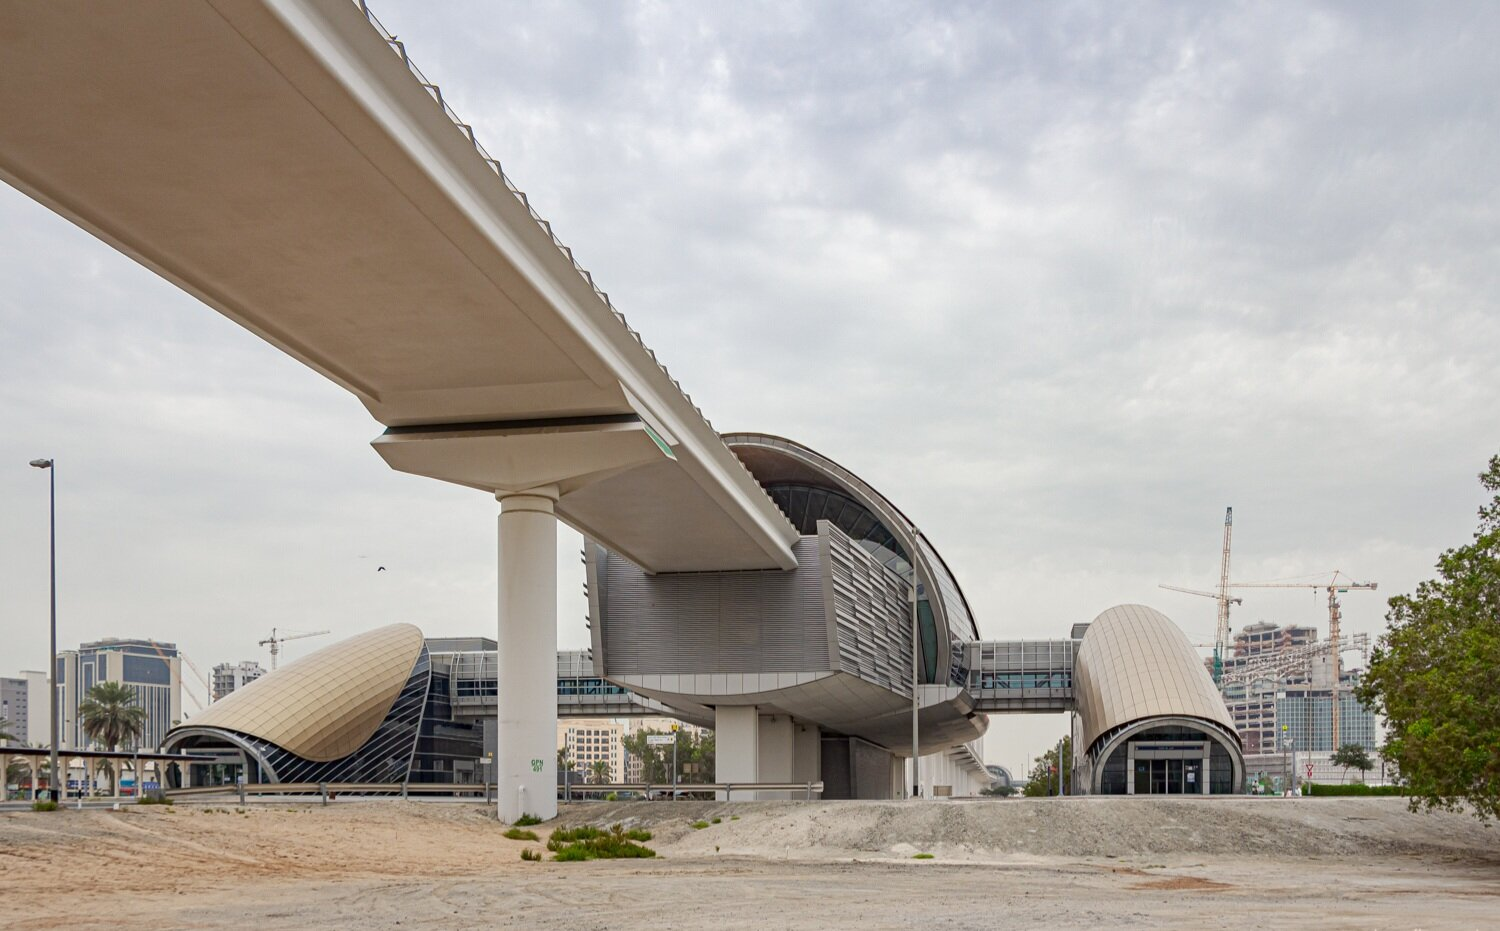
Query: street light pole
x,y
916,643
50,466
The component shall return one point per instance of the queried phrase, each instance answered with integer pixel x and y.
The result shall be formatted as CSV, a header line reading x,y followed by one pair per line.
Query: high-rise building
x,y
151,669
1266,637
14,708
1299,696
231,676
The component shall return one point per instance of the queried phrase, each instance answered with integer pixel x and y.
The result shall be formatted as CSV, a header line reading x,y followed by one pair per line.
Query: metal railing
x,y
329,791
683,789
544,225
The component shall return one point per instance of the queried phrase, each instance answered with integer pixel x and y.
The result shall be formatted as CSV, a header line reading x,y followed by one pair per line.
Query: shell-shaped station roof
x,y
327,704
1135,663
779,463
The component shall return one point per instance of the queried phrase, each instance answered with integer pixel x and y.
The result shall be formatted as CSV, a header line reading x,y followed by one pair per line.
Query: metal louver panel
x,y
710,622
870,611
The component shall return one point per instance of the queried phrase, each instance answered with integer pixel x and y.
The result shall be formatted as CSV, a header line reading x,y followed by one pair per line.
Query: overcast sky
x,y
1062,280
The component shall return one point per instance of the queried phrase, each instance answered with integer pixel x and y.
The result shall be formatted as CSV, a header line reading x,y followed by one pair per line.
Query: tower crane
x,y
275,642
1334,587
208,692
1222,596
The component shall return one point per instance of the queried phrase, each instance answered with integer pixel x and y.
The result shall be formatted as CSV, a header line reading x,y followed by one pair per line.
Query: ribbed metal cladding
x,y
712,622
870,612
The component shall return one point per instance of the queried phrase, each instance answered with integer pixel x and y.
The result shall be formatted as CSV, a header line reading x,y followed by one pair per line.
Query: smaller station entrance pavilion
x,y
1149,718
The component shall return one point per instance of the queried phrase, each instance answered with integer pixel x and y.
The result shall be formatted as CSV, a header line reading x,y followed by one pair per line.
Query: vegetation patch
x,y
921,856
699,825
718,821
532,856
521,834
1353,788
526,821
44,806
593,843
154,800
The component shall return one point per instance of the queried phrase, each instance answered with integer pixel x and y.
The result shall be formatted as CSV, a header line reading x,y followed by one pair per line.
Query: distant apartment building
x,y
586,741
15,709
231,676
151,669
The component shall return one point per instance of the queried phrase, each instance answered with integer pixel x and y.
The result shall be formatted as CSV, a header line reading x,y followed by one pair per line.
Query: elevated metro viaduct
x,y
285,162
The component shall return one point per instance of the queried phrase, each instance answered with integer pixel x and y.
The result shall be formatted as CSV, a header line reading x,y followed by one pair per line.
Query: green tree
x,y
1433,672
1353,755
599,769
656,762
5,733
1042,780
110,716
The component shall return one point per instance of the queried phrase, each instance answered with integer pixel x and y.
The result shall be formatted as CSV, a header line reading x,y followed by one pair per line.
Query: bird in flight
x,y
381,569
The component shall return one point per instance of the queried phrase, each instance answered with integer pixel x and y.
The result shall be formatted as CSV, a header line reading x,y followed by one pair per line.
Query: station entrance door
x,y
1169,768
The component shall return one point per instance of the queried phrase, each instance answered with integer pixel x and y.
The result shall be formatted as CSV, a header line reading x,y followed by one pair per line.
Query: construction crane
x,y
207,691
275,642
1222,596
1334,588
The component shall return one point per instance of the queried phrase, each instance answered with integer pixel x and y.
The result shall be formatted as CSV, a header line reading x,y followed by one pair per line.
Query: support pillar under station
x,y
526,644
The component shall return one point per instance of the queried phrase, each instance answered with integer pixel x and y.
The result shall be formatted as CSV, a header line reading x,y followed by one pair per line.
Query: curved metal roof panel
x,y
327,704
1135,663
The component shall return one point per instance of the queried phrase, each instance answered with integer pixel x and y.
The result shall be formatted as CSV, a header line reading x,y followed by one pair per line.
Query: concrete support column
x,y
1130,769
807,757
36,775
1207,755
526,731
736,746
778,750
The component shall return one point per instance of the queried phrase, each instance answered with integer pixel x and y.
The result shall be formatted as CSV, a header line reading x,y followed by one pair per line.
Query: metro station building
x,y
806,675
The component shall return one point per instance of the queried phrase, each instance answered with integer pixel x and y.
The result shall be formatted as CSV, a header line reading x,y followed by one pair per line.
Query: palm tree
x,y
5,733
600,769
110,716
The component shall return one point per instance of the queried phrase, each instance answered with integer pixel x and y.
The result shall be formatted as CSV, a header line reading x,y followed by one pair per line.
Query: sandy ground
x,y
1329,863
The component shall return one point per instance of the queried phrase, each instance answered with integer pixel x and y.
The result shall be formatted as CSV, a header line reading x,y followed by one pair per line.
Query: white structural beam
x,y
279,160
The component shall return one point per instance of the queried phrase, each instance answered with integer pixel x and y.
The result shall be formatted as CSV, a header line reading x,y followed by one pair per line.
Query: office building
x,y
151,669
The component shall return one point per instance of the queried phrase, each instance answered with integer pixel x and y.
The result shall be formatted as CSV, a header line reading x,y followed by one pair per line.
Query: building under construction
x,y
1284,675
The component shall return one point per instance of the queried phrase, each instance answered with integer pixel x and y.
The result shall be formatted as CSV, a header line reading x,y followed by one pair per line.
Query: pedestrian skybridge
x,y
1021,676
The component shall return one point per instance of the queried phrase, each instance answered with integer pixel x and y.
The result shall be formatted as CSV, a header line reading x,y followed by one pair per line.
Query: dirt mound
x,y
1078,827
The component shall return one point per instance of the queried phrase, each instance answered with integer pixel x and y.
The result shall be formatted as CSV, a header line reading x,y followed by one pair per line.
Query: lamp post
x,y
916,650
52,667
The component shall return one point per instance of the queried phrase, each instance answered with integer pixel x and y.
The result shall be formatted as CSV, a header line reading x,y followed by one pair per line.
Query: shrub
x,y
589,843
921,856
699,825
526,821
718,821
611,796
154,799
533,856
521,834
1354,788
44,806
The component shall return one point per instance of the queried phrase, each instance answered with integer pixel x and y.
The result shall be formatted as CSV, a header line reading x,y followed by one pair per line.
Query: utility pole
x,y
916,643
51,467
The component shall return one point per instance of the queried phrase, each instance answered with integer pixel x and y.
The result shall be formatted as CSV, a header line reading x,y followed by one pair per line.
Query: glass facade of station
x,y
1173,759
